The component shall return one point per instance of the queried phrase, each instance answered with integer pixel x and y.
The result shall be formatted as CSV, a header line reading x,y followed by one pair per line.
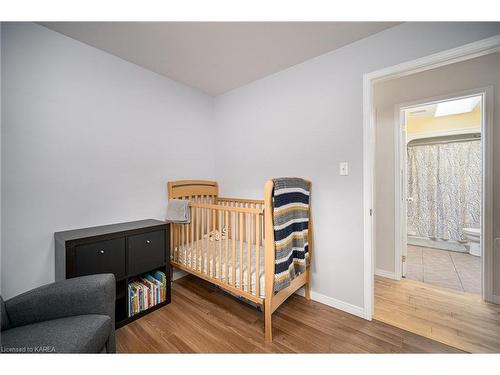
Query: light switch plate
x,y
343,168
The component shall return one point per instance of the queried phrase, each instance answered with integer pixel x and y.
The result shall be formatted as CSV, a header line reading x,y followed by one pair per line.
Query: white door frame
x,y
486,94
400,228
462,53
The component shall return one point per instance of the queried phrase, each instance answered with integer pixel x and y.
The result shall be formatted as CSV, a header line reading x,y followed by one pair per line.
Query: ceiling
x,y
216,57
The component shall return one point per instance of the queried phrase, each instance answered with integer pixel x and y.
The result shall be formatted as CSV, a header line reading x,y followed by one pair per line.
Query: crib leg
x,y
307,287
268,322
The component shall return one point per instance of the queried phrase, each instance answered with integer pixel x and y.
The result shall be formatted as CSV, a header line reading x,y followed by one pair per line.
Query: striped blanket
x,y
291,223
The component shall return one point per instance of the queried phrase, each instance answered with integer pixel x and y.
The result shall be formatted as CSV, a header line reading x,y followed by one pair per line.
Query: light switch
x,y
343,168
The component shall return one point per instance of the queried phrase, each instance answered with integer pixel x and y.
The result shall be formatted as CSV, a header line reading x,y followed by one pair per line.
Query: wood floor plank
x,y
458,319
204,319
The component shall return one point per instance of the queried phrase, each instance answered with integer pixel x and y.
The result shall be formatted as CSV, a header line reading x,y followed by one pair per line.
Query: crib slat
x,y
240,236
191,230
202,234
183,244
177,241
196,250
186,245
220,244
252,234
257,256
214,254
188,241
174,234
244,237
226,224
207,239
233,236
173,242
207,242
202,267
249,255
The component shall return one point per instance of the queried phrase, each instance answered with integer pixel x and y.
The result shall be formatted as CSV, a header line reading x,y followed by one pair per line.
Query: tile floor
x,y
446,269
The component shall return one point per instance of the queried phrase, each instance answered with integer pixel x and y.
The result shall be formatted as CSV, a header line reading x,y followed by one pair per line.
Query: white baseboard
x,y
384,273
335,303
178,274
495,299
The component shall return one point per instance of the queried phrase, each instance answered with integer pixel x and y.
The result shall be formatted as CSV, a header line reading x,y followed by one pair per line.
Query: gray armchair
x,y
70,316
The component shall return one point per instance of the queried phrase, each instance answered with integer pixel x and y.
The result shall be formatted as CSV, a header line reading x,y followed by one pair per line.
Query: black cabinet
x,y
127,250
144,251
101,257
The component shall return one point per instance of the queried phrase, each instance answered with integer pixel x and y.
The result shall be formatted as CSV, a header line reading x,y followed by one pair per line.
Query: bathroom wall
x,y
479,72
462,121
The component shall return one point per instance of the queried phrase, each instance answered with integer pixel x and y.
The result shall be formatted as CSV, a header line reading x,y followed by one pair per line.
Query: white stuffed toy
x,y
217,235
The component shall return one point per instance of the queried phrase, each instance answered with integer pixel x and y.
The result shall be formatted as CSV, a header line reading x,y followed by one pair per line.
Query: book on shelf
x,y
157,288
158,275
146,291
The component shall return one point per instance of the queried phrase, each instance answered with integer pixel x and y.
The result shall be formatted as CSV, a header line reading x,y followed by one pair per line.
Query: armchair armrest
x,y
94,294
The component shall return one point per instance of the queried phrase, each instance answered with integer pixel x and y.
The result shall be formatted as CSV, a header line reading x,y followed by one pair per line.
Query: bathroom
x,y
443,193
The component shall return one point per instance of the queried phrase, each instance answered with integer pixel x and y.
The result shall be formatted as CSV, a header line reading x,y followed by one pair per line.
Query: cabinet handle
x,y
148,242
101,251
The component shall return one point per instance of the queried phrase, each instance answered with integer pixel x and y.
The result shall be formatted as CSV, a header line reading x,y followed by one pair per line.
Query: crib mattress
x,y
186,253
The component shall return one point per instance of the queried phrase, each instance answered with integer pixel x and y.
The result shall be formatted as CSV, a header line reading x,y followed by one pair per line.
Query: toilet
x,y
474,237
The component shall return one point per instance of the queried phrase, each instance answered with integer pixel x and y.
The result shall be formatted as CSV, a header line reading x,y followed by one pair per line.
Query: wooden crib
x,y
230,243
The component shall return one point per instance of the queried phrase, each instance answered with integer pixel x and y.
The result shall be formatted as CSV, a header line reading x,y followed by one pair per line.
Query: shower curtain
x,y
444,180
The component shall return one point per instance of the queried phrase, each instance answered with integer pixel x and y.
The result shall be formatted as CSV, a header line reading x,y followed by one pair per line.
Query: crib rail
x,y
240,202
223,244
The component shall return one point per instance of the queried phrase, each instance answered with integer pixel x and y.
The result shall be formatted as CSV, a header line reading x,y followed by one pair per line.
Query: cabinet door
x,y
101,257
146,252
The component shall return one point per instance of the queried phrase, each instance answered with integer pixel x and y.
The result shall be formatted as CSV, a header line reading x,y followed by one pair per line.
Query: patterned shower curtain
x,y
444,181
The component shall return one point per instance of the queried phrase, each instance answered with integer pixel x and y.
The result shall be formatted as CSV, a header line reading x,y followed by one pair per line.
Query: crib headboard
x,y
192,188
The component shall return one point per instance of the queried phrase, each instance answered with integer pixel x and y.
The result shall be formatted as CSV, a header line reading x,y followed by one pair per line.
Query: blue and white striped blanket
x,y
291,224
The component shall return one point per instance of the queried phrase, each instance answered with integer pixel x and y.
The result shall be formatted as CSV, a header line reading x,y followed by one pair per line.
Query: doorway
x,y
437,312
440,200
443,170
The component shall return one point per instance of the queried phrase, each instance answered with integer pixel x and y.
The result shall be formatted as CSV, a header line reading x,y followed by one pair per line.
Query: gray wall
x,y
475,73
303,121
87,139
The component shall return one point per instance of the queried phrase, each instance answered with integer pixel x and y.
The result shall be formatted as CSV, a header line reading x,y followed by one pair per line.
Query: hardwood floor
x,y
203,319
455,318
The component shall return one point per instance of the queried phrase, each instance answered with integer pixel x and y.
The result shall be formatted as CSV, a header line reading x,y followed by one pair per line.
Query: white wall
x,y
0,157
471,74
303,121
87,139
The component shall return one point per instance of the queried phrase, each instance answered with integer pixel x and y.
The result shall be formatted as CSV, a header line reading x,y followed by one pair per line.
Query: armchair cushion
x,y
94,294
75,334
